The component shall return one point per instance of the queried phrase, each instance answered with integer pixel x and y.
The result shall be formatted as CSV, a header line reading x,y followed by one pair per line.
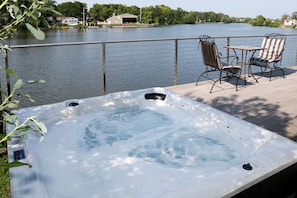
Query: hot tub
x,y
148,143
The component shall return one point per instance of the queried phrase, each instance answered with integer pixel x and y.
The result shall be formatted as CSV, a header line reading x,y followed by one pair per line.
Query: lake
x,y
173,31
76,71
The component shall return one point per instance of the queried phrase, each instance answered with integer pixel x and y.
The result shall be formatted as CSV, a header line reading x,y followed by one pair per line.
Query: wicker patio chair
x,y
271,56
212,61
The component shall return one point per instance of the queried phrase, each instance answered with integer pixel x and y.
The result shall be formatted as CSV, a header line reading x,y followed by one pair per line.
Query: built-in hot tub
x,y
149,143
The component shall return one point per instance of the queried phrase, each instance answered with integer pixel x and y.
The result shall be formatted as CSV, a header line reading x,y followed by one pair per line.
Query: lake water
x,y
174,31
76,71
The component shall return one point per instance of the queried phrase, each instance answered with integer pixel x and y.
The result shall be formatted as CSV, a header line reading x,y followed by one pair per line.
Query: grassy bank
x,y
4,177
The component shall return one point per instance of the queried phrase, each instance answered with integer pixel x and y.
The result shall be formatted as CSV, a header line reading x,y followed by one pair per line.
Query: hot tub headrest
x,y
155,96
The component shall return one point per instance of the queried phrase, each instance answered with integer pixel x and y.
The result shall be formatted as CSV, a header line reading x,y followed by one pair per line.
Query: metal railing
x,y
163,62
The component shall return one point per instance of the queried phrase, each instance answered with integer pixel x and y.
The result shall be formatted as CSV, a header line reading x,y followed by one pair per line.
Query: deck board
x,y
268,104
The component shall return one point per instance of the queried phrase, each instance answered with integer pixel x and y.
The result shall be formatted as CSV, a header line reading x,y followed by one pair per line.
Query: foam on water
x,y
121,125
184,150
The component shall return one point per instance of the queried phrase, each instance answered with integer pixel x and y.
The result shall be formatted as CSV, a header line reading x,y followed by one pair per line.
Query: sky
x,y
273,9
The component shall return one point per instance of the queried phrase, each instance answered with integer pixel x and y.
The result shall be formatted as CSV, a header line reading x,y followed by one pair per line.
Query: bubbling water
x,y
122,125
173,147
184,149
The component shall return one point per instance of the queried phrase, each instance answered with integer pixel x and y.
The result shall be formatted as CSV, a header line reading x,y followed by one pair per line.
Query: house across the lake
x,y
122,19
290,22
71,21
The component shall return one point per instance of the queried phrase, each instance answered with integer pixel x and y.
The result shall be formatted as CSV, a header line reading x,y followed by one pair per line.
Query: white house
x,y
290,22
71,21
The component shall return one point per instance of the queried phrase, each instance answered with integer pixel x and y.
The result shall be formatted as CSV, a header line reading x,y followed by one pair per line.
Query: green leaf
x,y
11,117
37,33
2,135
18,84
13,11
35,81
31,81
10,71
15,164
12,105
41,81
2,149
28,97
23,136
39,127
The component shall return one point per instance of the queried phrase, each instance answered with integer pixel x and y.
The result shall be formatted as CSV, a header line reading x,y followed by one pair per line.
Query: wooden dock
x,y
268,104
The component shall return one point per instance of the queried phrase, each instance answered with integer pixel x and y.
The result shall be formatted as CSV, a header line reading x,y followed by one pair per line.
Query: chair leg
x,y
237,78
221,77
201,76
251,72
214,84
275,68
282,72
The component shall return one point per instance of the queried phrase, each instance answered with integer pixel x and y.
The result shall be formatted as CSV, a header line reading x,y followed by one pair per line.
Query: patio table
x,y
244,53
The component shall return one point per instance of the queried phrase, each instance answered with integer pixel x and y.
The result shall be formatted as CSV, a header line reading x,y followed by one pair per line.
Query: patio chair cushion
x,y
270,57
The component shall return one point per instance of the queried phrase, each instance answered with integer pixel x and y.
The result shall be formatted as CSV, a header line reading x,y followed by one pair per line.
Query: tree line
x,y
262,21
160,14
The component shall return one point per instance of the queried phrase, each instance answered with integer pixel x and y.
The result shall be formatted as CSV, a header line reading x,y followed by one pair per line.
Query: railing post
x,y
2,131
227,50
8,87
296,59
104,67
175,61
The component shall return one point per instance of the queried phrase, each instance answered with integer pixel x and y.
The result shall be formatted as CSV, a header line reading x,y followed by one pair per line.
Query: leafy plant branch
x,y
27,13
22,14
30,124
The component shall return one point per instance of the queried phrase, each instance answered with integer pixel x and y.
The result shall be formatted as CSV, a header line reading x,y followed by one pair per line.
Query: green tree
x,y
294,15
223,18
178,16
134,10
147,14
189,18
96,12
72,9
159,14
212,17
200,17
165,14
258,21
262,21
103,11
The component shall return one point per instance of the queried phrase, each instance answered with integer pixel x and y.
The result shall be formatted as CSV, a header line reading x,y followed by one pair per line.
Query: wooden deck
x,y
268,104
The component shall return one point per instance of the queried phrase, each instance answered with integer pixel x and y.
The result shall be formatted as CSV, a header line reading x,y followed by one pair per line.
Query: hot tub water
x,y
122,145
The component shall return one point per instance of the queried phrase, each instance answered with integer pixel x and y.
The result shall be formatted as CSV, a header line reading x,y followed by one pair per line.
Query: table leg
x,y
244,62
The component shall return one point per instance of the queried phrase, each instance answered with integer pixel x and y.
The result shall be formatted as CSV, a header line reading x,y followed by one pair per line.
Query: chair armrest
x,y
233,58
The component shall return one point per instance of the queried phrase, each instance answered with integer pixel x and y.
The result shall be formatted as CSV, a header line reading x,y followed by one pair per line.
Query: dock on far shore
x,y
269,104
